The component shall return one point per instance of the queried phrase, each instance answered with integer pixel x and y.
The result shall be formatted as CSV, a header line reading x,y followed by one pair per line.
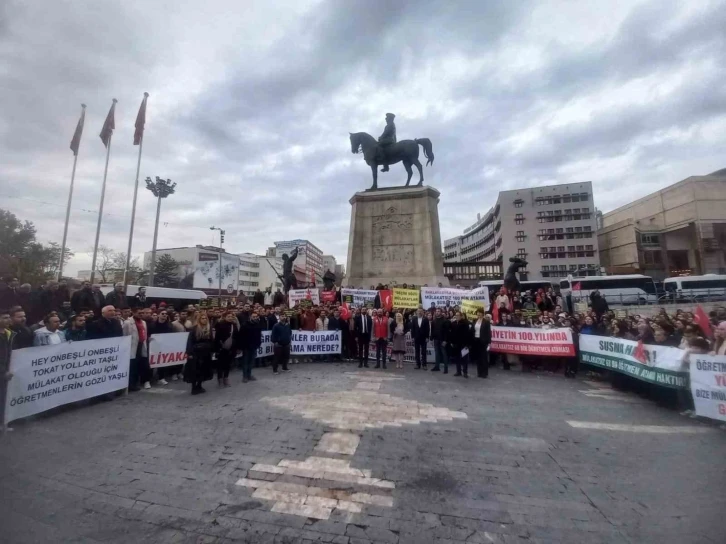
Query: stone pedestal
x,y
395,237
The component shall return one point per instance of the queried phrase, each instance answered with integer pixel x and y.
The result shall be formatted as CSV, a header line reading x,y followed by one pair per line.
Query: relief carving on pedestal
x,y
392,220
399,254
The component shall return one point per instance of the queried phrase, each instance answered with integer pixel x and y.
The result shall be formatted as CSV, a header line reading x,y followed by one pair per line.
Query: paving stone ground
x,y
330,454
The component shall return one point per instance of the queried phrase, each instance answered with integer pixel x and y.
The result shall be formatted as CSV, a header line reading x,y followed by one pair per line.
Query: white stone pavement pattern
x,y
328,454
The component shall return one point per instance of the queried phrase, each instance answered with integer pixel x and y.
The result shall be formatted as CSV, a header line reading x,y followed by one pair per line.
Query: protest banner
x,y
708,385
405,298
469,308
659,365
328,296
409,356
45,377
294,296
359,298
168,349
450,296
305,343
540,342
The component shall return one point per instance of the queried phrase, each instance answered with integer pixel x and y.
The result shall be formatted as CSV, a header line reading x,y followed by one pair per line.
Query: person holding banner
x,y
281,337
6,349
481,331
135,327
163,326
225,335
198,368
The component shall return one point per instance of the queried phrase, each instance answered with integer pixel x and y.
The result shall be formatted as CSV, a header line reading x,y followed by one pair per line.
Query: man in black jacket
x,y
420,332
363,325
481,337
440,330
335,323
105,327
23,334
117,297
250,339
83,298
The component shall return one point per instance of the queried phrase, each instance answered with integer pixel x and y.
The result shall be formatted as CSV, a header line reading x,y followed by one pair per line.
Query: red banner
x,y
327,296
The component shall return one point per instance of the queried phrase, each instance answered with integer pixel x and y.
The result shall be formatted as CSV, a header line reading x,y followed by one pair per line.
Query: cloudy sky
x,y
251,104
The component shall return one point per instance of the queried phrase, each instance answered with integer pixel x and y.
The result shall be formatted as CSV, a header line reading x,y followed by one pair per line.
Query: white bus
x,y
178,298
626,289
708,287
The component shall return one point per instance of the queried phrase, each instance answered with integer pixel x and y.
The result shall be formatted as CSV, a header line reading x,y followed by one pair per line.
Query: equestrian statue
x,y
387,151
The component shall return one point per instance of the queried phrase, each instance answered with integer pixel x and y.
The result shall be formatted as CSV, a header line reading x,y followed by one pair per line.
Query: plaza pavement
x,y
330,453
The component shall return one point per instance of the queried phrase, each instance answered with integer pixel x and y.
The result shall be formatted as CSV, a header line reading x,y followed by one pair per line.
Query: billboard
x,y
207,271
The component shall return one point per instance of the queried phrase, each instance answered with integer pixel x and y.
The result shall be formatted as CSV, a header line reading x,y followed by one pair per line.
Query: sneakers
x,y
275,372
163,382
147,385
435,369
687,413
134,388
252,378
457,374
245,380
286,370
175,377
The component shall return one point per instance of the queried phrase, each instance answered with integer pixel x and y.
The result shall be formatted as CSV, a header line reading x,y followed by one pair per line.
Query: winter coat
x,y
250,336
104,328
129,328
43,337
222,331
117,300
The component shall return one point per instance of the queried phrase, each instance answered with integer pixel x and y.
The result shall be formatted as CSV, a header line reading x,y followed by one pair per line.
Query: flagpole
x,y
68,209
100,209
68,216
136,190
133,215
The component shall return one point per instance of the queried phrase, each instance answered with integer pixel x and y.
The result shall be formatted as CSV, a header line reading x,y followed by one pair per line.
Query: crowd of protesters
x,y
222,338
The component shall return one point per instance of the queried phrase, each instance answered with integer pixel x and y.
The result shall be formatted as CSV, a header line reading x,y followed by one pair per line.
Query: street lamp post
x,y
221,244
161,188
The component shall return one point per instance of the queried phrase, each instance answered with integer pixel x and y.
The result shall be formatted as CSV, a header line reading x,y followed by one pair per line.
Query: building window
x,y
575,198
652,258
650,239
518,203
520,236
519,219
522,253
589,248
583,197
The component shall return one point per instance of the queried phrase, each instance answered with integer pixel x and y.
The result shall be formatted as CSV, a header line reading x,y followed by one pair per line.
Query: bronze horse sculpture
x,y
405,150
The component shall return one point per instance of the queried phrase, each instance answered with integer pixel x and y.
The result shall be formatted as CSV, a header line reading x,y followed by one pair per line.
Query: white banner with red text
x,y
45,377
708,385
539,342
168,349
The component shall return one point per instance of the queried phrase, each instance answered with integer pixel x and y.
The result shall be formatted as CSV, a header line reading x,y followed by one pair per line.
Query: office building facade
x,y
553,228
679,230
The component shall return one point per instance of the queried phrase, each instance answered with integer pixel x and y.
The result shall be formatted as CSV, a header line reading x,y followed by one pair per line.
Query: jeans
x,y
139,371
420,349
381,344
280,357
248,359
441,355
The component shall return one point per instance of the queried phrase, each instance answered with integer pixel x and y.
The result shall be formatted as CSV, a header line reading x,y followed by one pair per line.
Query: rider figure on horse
x,y
388,138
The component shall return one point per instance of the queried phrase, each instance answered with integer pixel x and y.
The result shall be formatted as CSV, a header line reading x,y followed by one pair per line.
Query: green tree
x,y
22,256
166,272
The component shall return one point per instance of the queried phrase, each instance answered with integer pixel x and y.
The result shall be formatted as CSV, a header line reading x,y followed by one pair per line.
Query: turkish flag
x,y
345,311
386,296
639,353
701,319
